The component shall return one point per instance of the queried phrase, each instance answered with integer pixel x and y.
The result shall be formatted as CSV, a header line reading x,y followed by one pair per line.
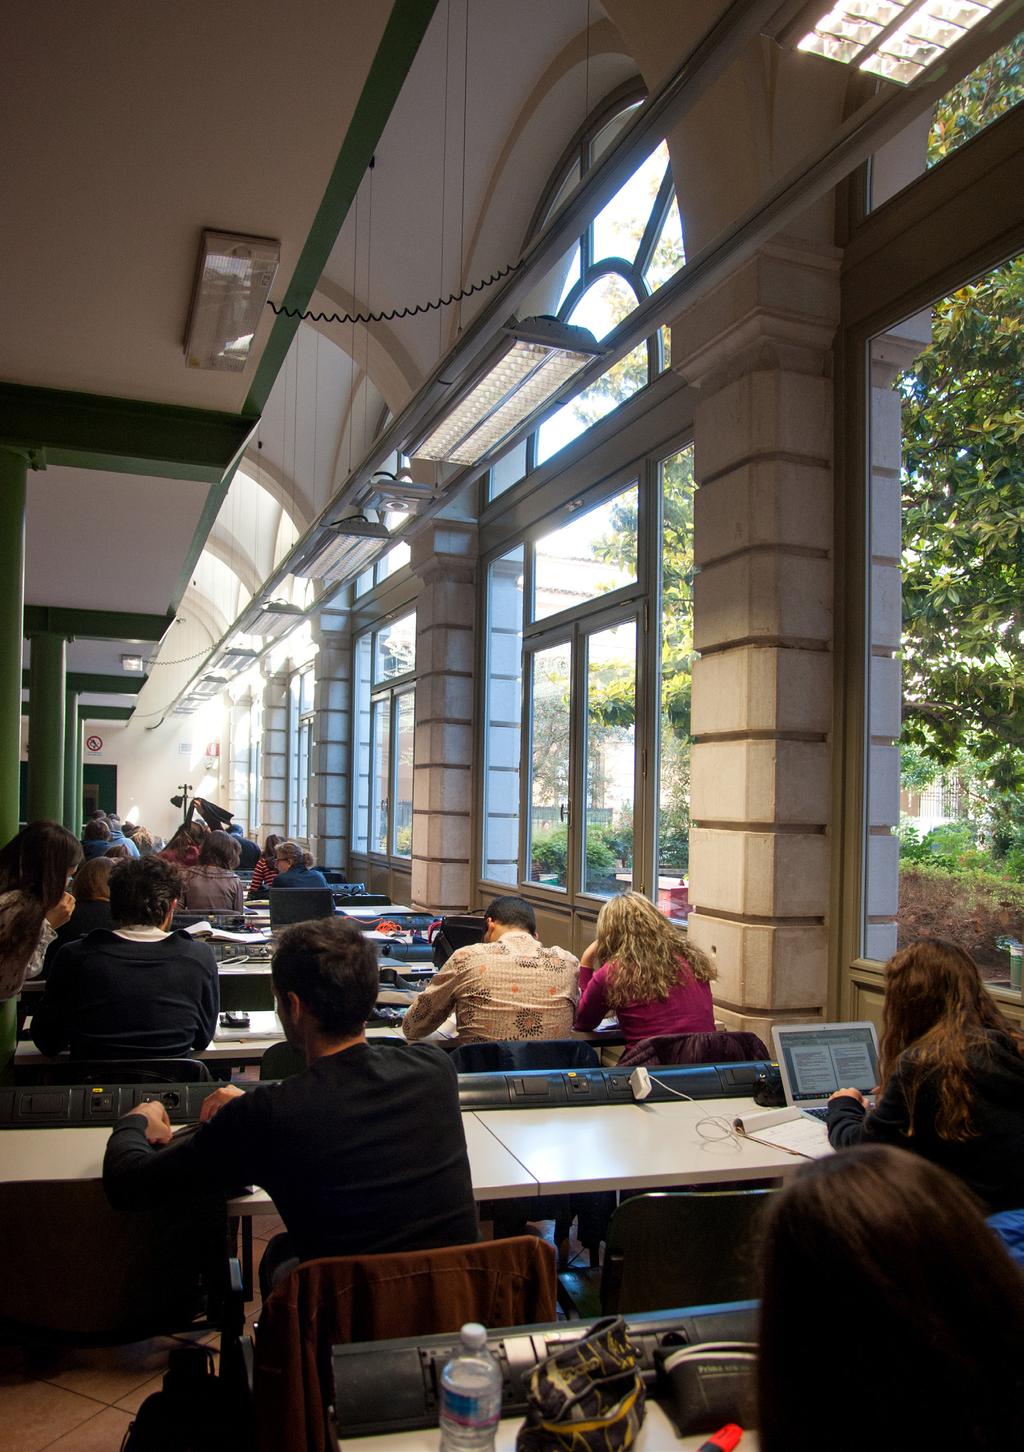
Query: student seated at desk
x,y
952,1077
265,871
211,886
95,838
363,1153
650,977
136,990
35,867
891,1316
294,867
507,986
90,888
183,848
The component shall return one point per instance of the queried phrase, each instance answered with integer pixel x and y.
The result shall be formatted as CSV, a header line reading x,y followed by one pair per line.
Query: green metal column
x,y
80,762
72,750
13,471
46,685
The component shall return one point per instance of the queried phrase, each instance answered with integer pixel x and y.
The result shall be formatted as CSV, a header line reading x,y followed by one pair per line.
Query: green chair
x,y
281,1061
690,1248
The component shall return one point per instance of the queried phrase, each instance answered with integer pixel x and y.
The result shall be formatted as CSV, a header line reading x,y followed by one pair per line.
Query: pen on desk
x,y
724,1440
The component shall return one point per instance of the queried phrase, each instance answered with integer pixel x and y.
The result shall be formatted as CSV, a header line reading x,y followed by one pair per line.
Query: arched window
x,y
633,246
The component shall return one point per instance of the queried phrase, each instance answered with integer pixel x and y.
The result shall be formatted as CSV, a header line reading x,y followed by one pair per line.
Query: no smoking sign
x,y
94,743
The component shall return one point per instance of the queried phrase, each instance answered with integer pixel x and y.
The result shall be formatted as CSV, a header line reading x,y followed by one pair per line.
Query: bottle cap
x,y
473,1334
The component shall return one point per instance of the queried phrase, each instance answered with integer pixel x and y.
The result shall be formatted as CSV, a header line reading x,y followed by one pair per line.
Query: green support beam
x,y
13,473
95,684
95,624
96,713
406,27
126,435
105,713
72,733
46,728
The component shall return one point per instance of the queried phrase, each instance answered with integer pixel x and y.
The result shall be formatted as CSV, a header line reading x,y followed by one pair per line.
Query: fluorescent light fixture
x,y
132,663
536,358
274,617
359,527
894,39
336,556
235,658
233,279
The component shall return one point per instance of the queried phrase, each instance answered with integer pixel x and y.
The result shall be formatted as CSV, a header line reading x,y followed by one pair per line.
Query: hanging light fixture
x,y
534,360
895,39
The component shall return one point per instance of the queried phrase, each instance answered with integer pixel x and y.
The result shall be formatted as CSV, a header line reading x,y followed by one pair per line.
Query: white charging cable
x,y
712,1127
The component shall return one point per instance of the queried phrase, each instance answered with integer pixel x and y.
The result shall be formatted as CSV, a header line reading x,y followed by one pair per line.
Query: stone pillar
x,y
13,474
330,752
47,678
444,558
891,353
758,348
274,780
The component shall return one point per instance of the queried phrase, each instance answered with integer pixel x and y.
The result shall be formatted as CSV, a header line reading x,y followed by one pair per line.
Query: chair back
x,y
691,1248
503,1054
281,1061
121,1071
73,1269
707,1048
380,1297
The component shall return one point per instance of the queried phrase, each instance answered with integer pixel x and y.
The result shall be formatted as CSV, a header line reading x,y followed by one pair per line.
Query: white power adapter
x,y
640,1083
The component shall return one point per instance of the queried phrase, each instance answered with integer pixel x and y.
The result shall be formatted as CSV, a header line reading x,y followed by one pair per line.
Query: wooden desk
x,y
633,1146
656,1435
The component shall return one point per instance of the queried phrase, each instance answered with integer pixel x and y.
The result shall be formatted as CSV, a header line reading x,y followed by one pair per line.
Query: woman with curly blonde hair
x,y
649,976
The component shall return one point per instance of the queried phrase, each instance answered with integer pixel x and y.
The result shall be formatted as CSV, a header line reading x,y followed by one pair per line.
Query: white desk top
x,y
633,1146
656,1435
77,1154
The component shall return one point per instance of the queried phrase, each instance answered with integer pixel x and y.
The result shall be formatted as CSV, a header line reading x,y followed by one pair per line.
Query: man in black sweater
x,y
362,1153
136,990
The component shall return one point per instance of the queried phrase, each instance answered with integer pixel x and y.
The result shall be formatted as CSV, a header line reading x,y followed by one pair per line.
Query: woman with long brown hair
x,y
34,900
650,977
952,1075
91,892
891,1317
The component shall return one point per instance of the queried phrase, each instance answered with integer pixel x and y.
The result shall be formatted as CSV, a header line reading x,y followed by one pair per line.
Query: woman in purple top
x,y
651,978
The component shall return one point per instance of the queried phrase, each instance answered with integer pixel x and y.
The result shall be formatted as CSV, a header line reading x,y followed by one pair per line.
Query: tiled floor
x,y
83,1399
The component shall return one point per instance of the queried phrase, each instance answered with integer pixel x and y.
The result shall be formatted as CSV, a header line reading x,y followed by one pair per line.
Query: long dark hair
x,y
937,1015
220,849
882,1260
36,863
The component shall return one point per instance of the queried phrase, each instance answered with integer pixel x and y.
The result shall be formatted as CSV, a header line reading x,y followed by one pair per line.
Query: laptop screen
x,y
816,1060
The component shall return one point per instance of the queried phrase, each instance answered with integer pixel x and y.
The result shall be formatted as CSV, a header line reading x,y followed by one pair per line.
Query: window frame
x,y
386,693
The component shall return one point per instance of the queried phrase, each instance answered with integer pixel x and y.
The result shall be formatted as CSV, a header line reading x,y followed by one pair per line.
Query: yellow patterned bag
x,y
588,1397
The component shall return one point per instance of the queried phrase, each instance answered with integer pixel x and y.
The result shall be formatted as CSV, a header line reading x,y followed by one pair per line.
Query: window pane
x,y
302,779
605,138
364,582
604,305
669,253
620,225
504,712
944,849
569,185
673,840
405,727
622,380
361,770
507,471
381,772
397,556
395,649
610,752
978,100
549,765
589,557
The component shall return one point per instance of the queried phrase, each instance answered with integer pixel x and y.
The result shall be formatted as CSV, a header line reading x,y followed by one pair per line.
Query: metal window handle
x,y
565,812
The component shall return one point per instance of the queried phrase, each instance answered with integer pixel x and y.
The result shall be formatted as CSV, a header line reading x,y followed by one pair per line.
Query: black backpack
x,y
194,1412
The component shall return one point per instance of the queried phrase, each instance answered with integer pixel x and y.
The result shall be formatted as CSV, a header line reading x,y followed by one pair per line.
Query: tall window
x,y
632,247
300,722
385,718
944,853
675,611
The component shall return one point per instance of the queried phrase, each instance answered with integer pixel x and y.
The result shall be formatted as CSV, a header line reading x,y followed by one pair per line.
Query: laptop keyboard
x,y
817,1113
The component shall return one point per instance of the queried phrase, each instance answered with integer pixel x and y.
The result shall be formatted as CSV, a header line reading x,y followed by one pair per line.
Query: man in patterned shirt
x,y
509,986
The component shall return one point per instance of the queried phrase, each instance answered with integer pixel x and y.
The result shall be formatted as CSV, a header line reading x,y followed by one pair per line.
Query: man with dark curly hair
x,y
135,990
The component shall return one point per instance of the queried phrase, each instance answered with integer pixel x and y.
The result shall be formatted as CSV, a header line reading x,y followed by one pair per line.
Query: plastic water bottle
x,y
470,1395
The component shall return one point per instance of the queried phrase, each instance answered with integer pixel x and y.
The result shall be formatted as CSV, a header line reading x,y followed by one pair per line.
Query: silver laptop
x,y
816,1059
